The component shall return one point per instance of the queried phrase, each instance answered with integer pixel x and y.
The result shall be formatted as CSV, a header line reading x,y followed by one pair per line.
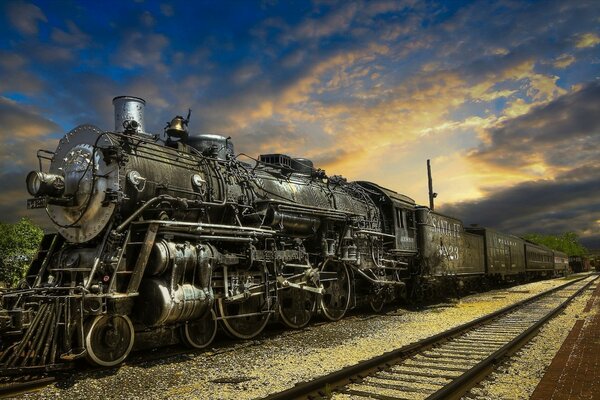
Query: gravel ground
x,y
254,369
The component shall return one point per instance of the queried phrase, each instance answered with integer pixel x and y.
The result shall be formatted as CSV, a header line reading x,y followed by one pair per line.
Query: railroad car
x,y
579,263
161,238
448,255
561,263
504,253
538,259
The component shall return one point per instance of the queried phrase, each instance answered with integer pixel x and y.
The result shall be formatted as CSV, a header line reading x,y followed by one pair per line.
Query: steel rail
x,y
11,389
458,387
322,386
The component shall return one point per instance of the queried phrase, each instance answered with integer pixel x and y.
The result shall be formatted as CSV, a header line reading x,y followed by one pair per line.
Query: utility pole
x,y
432,195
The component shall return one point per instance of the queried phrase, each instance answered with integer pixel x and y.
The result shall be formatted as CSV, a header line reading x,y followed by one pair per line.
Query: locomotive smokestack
x,y
129,114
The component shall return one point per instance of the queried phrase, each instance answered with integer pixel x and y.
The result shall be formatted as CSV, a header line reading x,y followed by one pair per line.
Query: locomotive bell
x,y
177,128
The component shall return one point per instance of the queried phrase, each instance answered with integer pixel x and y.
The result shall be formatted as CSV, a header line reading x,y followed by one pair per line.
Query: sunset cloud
x,y
21,121
588,40
501,96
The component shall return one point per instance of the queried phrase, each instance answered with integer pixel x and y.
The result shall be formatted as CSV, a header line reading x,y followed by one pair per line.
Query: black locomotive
x,y
163,240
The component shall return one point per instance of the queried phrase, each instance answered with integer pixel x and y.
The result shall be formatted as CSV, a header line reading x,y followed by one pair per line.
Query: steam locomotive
x,y
164,238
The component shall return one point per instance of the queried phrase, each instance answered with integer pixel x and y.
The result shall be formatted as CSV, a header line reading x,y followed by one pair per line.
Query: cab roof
x,y
392,196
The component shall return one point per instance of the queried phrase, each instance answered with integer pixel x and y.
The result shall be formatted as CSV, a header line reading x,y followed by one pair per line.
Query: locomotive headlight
x,y
42,184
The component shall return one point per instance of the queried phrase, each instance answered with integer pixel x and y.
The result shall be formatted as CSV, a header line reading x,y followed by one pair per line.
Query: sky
x,y
502,96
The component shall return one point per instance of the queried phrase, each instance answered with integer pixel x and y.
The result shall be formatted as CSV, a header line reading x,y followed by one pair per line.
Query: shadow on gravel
x,y
67,380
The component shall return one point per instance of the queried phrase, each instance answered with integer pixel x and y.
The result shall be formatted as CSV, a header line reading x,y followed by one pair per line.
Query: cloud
x,y
332,23
372,8
167,10
17,159
355,19
48,54
141,50
587,40
23,132
246,73
571,202
353,98
557,142
561,134
368,89
25,17
147,19
260,138
14,203
73,37
11,61
13,66
22,122
564,61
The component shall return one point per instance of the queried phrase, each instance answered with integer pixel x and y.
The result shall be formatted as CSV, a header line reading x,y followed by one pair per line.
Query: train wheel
x,y
246,319
336,282
108,339
296,307
200,333
377,302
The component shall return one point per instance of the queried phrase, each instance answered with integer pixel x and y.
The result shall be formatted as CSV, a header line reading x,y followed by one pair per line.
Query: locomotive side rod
x,y
379,282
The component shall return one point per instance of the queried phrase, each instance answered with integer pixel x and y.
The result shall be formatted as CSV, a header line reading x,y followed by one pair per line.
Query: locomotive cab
x,y
398,216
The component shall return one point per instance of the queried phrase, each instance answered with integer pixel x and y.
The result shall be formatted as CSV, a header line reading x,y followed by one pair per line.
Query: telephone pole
x,y
432,195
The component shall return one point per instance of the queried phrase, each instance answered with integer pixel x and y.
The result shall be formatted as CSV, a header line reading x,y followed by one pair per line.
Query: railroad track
x,y
16,385
447,365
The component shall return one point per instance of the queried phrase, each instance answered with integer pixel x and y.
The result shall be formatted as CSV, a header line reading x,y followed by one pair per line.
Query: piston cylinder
x,y
178,287
162,306
166,254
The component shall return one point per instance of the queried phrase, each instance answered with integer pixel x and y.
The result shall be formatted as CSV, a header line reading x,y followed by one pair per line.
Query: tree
x,y
567,242
18,246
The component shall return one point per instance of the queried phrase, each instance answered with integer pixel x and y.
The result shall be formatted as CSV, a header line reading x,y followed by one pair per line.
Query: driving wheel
x,y
296,307
200,333
245,319
336,284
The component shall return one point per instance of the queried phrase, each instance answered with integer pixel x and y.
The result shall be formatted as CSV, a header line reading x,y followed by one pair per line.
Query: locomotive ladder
x,y
50,243
132,277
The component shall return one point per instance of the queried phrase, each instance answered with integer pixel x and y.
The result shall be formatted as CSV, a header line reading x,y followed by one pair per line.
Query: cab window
x,y
400,218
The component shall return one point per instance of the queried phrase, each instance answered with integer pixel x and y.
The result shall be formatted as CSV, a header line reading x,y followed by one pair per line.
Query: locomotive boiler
x,y
162,238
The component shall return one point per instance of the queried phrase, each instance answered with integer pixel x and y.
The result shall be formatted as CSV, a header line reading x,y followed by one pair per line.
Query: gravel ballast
x,y
254,369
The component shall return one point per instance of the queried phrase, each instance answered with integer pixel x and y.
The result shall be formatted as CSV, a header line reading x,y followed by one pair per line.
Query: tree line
x,y
567,242
19,244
